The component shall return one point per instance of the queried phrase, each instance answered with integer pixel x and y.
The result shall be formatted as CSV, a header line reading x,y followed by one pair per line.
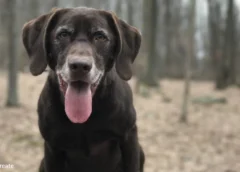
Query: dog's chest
x,y
104,156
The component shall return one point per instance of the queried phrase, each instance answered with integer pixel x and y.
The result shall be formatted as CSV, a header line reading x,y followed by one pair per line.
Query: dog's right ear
x,y
34,41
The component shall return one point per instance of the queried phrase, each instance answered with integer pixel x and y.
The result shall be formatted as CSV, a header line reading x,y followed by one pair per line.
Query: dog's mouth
x,y
78,98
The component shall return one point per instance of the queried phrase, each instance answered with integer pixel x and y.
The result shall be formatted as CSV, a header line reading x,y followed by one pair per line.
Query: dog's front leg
x,y
53,159
131,151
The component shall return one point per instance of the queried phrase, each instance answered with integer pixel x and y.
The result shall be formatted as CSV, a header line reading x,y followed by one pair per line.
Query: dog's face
x,y
81,45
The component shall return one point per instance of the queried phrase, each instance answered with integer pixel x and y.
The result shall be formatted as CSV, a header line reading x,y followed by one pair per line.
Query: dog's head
x,y
81,45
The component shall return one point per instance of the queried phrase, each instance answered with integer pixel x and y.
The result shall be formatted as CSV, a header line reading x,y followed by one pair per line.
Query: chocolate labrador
x,y
86,112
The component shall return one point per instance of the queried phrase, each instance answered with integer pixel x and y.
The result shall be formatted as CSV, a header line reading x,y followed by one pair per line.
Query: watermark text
x,y
6,166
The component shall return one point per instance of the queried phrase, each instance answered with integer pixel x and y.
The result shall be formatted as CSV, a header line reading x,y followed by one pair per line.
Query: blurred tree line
x,y
164,25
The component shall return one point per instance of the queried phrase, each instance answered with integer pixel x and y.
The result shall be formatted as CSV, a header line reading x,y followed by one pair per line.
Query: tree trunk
x,y
230,44
119,8
151,32
3,33
190,55
87,3
214,20
168,36
12,99
223,49
146,23
177,50
130,12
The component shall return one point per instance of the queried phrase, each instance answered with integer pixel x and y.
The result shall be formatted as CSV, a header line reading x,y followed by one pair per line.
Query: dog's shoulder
x,y
118,99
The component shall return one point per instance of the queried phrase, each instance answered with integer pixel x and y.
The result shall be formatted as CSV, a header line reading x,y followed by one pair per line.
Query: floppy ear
x,y
129,41
34,40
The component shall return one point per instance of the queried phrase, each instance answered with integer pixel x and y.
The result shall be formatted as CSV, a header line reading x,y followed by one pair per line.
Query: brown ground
x,y
209,143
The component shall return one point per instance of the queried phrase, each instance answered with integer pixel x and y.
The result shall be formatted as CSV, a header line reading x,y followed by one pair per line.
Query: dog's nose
x,y
81,67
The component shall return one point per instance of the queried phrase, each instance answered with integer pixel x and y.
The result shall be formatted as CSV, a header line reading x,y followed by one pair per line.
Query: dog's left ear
x,y
129,41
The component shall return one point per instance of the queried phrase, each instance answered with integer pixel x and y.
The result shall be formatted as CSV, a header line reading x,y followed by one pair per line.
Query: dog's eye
x,y
99,36
63,35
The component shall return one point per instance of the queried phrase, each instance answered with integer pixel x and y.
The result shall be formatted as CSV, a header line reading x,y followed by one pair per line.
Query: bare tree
x,y
3,32
232,34
168,35
88,3
229,54
172,23
119,8
223,43
190,55
12,99
149,36
130,12
46,6
214,24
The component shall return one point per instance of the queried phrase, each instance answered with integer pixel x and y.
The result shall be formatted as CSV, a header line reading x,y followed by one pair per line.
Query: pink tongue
x,y
78,103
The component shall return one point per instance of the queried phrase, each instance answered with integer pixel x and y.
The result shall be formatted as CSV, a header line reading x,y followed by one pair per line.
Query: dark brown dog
x,y
86,113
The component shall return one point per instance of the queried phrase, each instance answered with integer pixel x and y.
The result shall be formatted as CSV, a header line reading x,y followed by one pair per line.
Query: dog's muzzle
x,y
78,80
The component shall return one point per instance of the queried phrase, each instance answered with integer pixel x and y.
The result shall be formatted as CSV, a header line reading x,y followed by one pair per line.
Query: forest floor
x,y
210,142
